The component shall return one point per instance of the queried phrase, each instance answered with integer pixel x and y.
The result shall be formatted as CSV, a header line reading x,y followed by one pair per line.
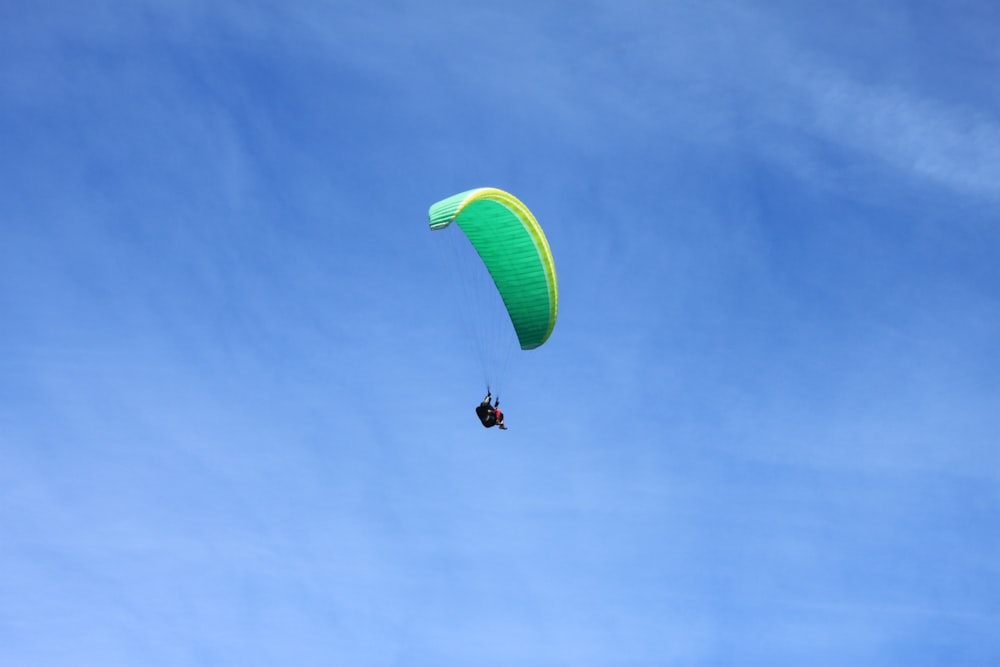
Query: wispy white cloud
x,y
665,74
955,147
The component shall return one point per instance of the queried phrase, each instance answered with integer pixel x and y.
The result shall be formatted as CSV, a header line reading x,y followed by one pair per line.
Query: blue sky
x,y
236,419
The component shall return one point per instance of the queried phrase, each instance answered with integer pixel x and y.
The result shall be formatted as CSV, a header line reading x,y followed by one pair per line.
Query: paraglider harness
x,y
487,414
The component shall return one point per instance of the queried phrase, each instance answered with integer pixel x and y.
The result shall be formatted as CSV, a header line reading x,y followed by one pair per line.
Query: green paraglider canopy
x,y
514,249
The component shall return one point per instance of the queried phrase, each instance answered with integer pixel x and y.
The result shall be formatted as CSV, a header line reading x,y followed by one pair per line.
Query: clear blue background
x,y
236,419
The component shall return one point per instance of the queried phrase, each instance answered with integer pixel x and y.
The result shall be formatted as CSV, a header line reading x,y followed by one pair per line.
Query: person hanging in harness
x,y
490,415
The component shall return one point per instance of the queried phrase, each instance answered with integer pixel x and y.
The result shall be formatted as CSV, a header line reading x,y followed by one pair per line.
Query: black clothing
x,y
487,415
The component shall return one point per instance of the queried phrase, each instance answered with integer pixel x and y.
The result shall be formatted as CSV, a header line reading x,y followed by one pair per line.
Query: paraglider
x,y
510,244
490,415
